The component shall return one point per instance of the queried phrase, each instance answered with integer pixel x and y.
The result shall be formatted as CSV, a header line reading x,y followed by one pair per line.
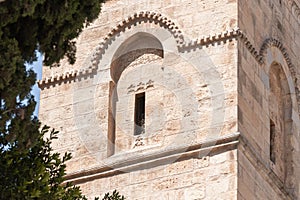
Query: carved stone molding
x,y
117,165
182,45
146,17
244,39
140,87
272,42
210,39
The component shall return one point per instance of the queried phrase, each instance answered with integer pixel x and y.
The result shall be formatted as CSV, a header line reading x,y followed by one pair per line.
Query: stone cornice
x,y
210,39
260,56
149,17
242,37
204,41
271,42
118,165
182,45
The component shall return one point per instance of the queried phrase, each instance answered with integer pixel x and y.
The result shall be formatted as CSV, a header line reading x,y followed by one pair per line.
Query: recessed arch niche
x,y
280,112
277,64
137,50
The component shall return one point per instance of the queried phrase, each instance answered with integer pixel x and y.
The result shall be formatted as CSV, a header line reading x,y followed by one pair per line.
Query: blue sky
x,y
37,67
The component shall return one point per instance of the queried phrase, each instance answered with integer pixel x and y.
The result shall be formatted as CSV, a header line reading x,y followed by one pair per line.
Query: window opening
x,y
272,141
139,114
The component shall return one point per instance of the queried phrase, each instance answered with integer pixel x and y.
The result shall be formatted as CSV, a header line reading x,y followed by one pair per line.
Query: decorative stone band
x,y
262,169
205,41
182,45
271,42
126,162
261,56
244,39
65,77
208,40
149,17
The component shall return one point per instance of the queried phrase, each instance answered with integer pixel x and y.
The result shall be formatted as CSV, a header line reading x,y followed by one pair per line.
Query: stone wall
x,y
208,177
184,106
272,29
188,68
201,85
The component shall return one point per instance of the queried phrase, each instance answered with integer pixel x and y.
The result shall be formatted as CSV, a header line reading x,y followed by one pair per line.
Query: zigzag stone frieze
x,y
147,16
271,42
142,16
182,45
276,43
244,39
210,39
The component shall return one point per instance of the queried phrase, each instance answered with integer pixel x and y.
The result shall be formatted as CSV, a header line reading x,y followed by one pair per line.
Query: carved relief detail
x,y
145,17
139,141
140,86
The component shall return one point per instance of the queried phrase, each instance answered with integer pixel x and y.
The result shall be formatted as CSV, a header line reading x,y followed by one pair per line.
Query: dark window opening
x,y
272,141
139,114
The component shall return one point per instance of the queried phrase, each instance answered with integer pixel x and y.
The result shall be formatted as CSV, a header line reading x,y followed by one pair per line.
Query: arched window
x,y
280,112
128,96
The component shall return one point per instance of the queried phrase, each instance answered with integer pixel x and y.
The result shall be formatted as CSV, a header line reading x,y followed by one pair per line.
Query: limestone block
x,y
196,192
183,167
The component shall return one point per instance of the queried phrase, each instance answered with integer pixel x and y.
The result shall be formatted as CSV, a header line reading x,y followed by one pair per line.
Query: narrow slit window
x,y
139,114
272,141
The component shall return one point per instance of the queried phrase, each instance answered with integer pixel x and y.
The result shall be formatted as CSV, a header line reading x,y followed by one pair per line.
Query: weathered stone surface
x,y
202,85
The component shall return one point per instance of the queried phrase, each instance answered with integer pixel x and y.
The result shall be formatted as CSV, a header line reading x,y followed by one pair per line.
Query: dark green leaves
x,y
29,168
114,196
35,172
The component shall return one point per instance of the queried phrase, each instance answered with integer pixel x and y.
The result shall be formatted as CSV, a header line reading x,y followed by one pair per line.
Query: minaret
x,y
181,100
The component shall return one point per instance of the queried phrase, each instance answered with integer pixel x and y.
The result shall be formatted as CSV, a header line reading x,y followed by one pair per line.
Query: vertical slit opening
x,y
111,119
272,141
139,114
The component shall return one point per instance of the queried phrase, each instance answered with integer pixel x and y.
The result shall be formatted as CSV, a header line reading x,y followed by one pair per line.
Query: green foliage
x,y
29,168
27,26
114,196
36,172
49,26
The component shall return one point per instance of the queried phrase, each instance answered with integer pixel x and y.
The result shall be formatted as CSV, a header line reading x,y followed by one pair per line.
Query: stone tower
x,y
182,99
